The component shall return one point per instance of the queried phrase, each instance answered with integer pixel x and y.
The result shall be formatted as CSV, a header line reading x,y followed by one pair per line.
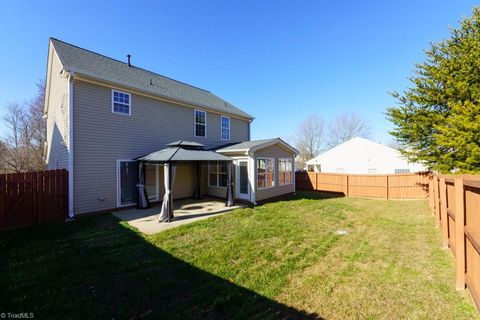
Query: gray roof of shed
x,y
91,64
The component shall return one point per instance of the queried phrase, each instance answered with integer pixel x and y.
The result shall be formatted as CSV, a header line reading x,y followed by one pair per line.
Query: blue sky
x,y
278,60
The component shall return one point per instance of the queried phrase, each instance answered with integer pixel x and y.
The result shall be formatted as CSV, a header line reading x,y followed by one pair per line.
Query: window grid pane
x,y
265,173
121,102
200,123
225,128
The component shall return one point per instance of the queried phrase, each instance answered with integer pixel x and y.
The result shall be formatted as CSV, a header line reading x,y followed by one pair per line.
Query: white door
x,y
243,188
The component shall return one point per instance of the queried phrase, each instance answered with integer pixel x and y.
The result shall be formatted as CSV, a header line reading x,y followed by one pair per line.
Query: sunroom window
x,y
285,171
265,173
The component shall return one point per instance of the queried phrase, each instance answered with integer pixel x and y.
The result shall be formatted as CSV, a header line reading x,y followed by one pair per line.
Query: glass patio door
x,y
243,189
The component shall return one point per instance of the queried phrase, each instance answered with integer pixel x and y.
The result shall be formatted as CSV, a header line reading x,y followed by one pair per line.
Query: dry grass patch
x,y
389,266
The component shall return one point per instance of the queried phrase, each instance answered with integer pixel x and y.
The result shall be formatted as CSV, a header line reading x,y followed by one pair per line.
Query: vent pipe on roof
x,y
128,57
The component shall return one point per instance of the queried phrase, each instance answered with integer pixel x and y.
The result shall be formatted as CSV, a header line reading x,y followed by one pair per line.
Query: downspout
x,y
249,124
71,214
252,178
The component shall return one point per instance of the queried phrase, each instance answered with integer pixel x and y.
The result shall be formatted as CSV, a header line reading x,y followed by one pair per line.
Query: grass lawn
x,y
279,260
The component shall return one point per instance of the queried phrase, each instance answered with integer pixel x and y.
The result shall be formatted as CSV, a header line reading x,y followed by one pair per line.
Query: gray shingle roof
x,y
95,65
245,145
254,145
184,143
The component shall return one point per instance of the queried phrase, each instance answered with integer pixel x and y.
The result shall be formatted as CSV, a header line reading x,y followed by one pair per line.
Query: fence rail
x,y
32,197
455,202
398,186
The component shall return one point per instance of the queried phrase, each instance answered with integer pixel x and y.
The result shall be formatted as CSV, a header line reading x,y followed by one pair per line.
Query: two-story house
x,y
102,114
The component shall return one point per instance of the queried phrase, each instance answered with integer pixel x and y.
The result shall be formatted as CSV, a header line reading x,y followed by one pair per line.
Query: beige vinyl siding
x,y
101,137
184,181
276,152
57,117
219,192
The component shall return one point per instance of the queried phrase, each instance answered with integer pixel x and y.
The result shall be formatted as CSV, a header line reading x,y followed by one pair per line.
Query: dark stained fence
x,y
33,197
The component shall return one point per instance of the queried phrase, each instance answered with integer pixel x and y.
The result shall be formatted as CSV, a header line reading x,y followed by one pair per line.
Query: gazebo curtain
x,y
166,213
142,201
197,191
229,185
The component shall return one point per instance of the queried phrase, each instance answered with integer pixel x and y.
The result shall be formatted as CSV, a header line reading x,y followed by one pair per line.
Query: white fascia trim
x,y
233,151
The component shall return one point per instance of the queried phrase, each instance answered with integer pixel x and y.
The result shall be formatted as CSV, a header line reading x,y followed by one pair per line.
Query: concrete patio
x,y
185,211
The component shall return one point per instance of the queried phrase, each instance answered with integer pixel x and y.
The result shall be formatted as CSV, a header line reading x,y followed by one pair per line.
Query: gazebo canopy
x,y
180,151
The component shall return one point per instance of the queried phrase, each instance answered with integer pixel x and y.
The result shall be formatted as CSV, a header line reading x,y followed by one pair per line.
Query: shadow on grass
x,y
305,194
98,268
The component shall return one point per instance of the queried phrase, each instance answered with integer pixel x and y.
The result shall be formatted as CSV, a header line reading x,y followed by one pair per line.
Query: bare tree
x,y
22,149
38,127
345,127
308,139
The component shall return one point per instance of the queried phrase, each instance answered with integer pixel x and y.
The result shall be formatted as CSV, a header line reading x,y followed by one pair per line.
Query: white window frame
x,y
119,197
129,103
291,171
402,171
195,123
217,164
221,127
274,173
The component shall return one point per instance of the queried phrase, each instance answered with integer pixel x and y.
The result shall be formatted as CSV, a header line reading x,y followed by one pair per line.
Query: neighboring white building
x,y
362,156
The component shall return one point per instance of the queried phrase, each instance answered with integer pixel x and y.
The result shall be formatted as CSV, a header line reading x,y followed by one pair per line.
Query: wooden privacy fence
x,y
455,202
33,197
394,186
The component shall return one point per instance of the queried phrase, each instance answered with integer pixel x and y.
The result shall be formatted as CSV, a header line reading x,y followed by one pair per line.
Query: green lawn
x,y
279,260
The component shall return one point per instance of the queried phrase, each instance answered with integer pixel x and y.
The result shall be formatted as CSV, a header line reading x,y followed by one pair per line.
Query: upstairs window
x,y
200,126
225,127
285,171
402,171
121,102
265,173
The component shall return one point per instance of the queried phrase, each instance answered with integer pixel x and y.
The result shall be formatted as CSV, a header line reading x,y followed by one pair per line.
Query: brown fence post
x,y
40,193
430,195
386,185
316,182
347,186
459,235
443,212
437,200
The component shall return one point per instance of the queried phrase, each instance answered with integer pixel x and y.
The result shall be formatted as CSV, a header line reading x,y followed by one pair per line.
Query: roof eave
x,y
86,77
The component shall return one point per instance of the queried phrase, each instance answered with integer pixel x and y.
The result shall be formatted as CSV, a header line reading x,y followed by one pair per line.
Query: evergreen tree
x,y
437,120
